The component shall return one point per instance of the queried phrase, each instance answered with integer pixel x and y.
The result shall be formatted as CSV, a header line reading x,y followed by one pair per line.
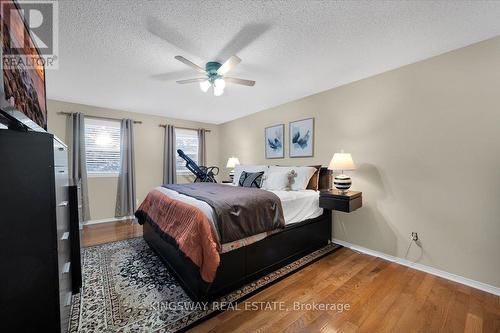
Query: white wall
x,y
148,141
426,139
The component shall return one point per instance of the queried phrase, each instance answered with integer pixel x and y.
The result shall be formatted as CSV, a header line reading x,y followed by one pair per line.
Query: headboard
x,y
325,179
321,180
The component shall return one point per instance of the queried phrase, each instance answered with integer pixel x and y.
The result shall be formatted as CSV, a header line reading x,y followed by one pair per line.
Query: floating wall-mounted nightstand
x,y
334,200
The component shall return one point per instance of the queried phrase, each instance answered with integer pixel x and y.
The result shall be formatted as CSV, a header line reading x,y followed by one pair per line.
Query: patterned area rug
x,y
126,288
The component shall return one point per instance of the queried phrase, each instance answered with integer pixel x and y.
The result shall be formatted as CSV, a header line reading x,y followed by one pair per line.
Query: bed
x,y
306,229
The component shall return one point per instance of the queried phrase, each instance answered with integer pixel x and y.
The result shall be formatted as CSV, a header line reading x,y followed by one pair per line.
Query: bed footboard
x,y
244,264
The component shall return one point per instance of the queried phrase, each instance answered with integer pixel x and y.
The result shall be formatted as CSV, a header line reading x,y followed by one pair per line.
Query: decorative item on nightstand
x,y
231,163
342,162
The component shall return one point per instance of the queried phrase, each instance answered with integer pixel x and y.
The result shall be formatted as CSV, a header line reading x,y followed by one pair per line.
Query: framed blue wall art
x,y
302,138
274,140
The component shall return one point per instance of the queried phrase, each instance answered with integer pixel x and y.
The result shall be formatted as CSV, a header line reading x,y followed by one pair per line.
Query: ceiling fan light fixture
x,y
220,83
204,85
215,75
218,91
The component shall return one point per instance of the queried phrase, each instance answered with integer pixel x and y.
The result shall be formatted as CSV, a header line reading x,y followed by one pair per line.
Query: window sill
x,y
103,175
184,173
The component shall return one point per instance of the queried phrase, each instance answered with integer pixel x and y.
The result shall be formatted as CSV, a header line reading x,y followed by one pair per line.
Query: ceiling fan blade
x,y
228,65
249,83
191,80
191,64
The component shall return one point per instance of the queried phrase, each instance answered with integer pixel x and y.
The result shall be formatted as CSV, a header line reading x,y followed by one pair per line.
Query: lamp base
x,y
342,183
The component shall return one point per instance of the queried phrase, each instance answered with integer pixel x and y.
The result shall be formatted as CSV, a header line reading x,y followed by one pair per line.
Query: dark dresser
x,y
63,230
35,266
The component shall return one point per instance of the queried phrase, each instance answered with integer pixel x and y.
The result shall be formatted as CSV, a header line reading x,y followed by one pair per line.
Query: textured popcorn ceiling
x,y
120,54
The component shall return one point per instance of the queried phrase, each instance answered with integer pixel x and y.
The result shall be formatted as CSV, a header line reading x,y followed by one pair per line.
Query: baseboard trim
x,y
424,268
111,219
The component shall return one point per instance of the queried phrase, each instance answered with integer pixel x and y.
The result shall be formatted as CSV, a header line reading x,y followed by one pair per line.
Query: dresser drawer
x,y
60,156
65,286
61,183
63,251
62,176
64,245
65,306
65,263
62,218
65,297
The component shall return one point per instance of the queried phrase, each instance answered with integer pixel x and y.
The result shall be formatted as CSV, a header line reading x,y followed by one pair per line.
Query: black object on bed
x,y
247,263
203,174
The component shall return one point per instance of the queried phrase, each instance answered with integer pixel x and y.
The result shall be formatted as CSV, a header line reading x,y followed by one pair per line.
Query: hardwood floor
x,y
369,295
101,233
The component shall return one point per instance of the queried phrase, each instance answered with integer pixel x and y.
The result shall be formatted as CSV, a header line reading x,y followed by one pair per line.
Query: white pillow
x,y
304,174
238,169
277,180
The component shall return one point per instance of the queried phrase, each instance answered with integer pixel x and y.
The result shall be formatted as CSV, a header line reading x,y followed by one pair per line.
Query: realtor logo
x,y
38,31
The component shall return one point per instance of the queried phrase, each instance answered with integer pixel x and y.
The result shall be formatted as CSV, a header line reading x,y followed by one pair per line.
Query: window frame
x,y
90,174
185,172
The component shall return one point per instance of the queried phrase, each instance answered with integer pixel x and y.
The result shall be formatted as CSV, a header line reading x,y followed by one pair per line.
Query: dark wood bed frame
x,y
247,263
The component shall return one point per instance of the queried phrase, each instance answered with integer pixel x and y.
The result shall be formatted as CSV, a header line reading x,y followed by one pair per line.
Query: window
x,y
102,147
187,140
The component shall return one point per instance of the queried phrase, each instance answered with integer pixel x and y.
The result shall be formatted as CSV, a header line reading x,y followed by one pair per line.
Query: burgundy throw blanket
x,y
188,226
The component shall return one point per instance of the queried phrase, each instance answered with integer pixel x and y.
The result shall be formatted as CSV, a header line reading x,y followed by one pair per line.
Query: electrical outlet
x,y
414,236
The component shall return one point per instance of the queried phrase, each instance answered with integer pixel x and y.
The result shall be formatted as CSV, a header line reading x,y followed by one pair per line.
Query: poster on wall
x,y
274,141
302,138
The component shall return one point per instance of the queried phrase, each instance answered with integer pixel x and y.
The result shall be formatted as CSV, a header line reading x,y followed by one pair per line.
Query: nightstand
x,y
227,181
334,200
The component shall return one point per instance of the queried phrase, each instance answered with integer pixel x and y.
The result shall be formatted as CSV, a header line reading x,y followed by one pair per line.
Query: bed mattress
x,y
297,207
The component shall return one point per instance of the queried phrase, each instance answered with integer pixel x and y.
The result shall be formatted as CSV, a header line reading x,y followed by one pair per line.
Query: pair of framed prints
x,y
301,139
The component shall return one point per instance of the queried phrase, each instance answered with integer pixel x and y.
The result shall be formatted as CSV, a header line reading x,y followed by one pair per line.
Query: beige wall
x,y
426,139
148,140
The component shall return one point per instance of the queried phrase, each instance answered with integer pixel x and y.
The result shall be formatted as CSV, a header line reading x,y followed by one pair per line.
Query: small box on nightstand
x,y
334,200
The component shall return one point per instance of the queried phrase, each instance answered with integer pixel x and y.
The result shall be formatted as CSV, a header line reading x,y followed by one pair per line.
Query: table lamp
x,y
231,163
342,162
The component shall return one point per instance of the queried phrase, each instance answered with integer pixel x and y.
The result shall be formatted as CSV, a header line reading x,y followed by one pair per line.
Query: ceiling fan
x,y
214,75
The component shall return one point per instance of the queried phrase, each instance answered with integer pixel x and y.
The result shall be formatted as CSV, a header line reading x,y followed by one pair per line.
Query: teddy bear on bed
x,y
291,179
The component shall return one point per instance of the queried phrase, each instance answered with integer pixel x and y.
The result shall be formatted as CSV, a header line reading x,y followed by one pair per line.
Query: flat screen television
x,y
22,83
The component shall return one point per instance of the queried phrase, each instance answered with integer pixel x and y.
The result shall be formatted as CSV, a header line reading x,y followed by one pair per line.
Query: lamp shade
x,y
232,162
341,162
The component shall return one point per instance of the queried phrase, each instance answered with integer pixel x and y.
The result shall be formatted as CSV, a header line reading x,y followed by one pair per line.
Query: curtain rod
x,y
98,117
186,128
